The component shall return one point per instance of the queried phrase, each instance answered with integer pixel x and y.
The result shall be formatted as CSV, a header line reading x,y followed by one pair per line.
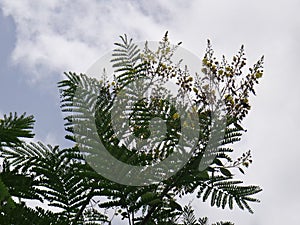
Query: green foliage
x,y
63,179
189,217
21,215
223,223
14,127
224,192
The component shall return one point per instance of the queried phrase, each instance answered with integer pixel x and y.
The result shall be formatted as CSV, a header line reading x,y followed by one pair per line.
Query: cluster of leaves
x,y
34,171
63,179
190,218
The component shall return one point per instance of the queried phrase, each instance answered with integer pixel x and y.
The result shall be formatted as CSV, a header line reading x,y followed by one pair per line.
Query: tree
x,y
65,178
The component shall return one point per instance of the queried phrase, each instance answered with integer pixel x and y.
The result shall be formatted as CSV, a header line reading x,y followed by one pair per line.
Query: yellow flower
x,y
175,116
258,75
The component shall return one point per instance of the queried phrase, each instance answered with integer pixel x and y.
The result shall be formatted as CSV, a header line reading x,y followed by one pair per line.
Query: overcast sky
x,y
39,40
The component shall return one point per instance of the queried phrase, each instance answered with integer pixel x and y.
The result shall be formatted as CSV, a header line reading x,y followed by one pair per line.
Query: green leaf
x,y
175,205
218,162
148,197
242,171
203,174
225,172
155,202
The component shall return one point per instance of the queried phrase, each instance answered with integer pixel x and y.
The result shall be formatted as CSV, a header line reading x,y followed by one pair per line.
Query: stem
x,y
128,216
132,218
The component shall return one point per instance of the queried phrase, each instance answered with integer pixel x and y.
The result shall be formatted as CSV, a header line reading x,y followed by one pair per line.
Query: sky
x,y
39,40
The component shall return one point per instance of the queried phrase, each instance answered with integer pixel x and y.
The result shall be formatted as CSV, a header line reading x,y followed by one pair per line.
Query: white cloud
x,y
60,35
57,36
